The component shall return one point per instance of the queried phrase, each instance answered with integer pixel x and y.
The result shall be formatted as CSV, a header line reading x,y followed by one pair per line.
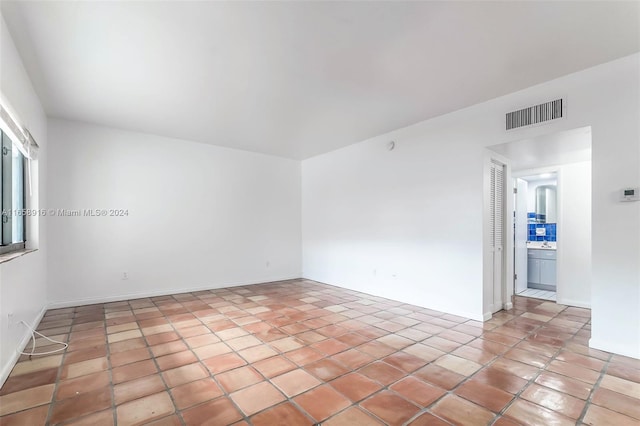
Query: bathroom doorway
x,y
551,253
535,234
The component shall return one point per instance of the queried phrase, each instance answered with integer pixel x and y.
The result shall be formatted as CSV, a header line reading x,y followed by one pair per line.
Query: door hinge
x,y
515,190
515,276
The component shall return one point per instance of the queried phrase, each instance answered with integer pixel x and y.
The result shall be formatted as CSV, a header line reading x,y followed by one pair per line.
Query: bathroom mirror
x,y
546,204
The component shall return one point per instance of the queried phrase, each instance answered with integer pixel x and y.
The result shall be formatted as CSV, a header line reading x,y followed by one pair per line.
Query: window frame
x,y
21,245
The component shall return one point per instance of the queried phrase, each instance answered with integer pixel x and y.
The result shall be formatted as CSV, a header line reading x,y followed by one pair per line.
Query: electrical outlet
x,y
11,318
125,276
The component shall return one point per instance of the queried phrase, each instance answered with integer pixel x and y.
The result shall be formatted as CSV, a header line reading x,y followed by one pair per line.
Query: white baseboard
x,y
624,349
11,362
129,296
487,316
508,306
576,303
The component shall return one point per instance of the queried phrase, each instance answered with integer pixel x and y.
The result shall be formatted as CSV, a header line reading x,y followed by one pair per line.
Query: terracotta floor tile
x,y
597,416
222,363
124,335
101,418
382,373
193,393
133,371
617,402
274,366
501,380
127,357
484,395
175,360
330,346
209,351
564,384
529,414
160,338
553,400
458,365
281,415
26,398
69,371
624,372
462,412
574,371
134,389
145,409
439,376
238,378
473,354
287,344
220,411
355,386
257,353
404,361
33,417
352,339
353,359
168,348
322,402
127,345
417,391
304,356
202,340
442,344
295,382
185,374
505,421
428,419
29,380
391,408
243,342
85,354
172,420
257,397
582,360
37,364
424,352
73,387
81,405
625,387
352,417
326,369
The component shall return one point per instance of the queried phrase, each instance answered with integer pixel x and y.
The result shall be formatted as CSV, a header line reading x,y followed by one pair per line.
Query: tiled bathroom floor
x,y
300,352
538,294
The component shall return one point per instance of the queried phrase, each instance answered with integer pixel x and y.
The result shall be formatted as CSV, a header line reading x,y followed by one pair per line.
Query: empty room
x,y
320,213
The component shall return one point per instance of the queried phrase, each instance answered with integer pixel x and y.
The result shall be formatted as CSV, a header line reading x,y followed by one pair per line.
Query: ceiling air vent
x,y
535,114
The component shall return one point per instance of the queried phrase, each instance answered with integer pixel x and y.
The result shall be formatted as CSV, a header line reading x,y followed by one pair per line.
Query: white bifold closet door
x,y
497,224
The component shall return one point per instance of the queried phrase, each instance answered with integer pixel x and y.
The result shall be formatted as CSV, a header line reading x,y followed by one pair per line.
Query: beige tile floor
x,y
301,353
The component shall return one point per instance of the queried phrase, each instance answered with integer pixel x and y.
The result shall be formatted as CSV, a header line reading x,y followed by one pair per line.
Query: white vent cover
x,y
535,114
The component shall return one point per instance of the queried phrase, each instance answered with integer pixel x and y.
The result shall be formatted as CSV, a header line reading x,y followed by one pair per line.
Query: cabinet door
x,y
548,272
533,271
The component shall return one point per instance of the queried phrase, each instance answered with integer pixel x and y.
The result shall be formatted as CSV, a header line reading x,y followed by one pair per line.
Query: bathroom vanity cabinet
x,y
541,269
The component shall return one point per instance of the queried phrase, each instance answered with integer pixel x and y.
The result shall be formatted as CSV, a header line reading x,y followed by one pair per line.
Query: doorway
x,y
557,248
535,234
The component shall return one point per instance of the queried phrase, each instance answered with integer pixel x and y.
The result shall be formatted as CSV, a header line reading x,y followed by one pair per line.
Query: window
x,y
12,196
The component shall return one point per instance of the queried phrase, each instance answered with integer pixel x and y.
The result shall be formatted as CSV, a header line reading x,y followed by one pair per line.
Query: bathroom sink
x,y
541,245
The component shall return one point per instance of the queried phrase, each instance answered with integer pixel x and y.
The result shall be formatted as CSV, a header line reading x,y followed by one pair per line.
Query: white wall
x,y
574,230
23,280
200,216
417,212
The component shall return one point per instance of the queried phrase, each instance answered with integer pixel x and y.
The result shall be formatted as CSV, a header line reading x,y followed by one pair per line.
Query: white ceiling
x,y
571,146
297,79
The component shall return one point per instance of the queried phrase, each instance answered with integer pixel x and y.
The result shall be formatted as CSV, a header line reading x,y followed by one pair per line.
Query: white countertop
x,y
541,245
